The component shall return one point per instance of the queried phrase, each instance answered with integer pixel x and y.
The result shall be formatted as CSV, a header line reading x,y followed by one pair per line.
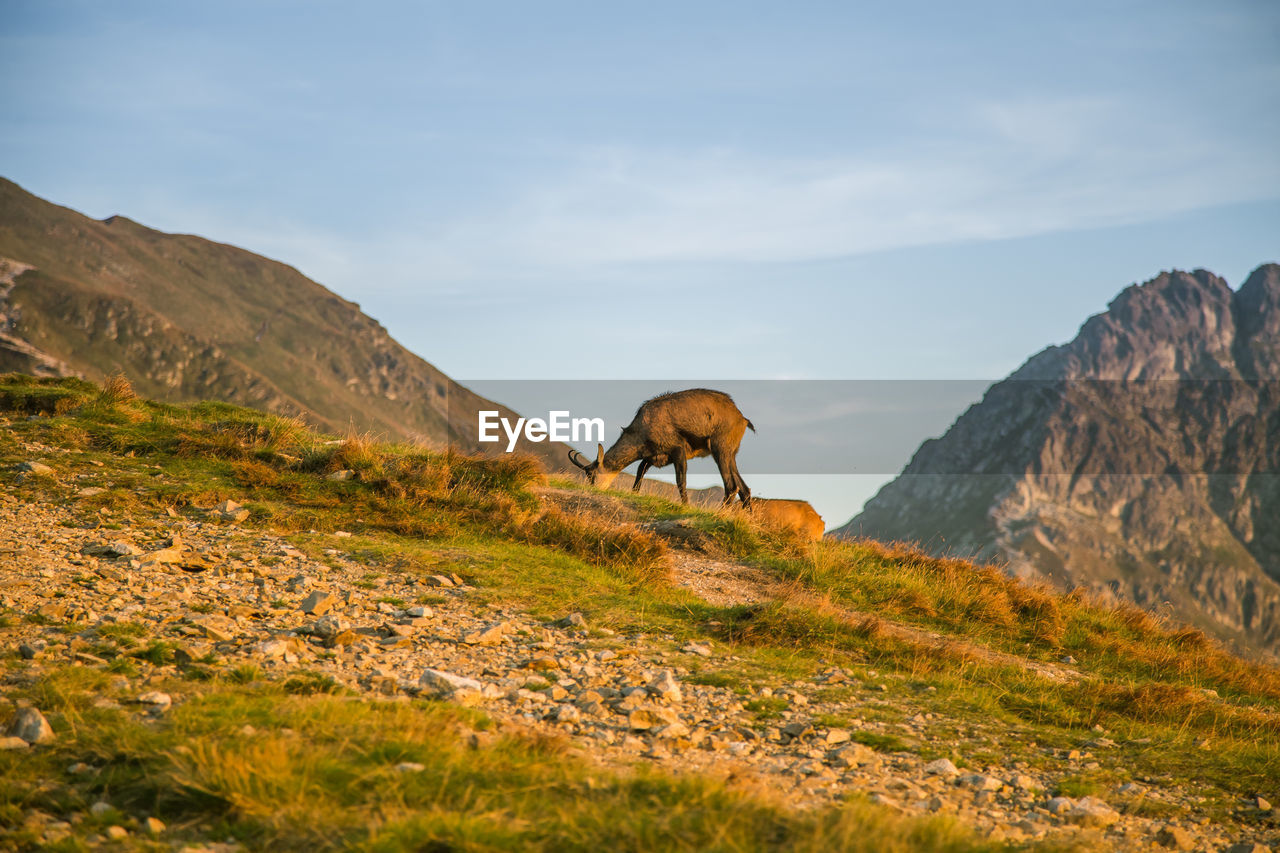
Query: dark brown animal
x,y
797,516
670,430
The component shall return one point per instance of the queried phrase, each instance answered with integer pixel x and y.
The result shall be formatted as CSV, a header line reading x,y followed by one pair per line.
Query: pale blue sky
x,y
690,191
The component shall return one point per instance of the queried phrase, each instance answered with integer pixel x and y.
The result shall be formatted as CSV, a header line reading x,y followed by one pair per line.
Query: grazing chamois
x,y
670,430
797,516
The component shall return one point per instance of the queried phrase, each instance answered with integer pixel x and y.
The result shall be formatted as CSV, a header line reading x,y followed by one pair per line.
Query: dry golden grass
x,y
638,552
116,389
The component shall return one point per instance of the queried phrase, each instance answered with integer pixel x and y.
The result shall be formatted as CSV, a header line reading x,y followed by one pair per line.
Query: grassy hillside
x,y
190,319
936,659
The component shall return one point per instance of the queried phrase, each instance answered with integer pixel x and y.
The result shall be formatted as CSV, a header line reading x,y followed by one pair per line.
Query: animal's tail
x,y
753,426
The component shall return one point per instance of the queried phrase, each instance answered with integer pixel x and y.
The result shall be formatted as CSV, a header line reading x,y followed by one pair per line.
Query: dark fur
x,y
673,428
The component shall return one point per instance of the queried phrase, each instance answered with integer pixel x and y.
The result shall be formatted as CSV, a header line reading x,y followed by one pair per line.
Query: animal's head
x,y
597,474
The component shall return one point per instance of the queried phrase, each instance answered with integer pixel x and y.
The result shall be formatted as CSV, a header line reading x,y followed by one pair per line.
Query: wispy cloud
x,y
1002,169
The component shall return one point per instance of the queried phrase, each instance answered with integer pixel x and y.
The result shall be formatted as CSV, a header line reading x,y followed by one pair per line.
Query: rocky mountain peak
x,y
1179,325
1114,465
1257,316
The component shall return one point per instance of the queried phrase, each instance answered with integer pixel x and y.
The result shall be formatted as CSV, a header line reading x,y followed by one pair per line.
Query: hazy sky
x,y
692,191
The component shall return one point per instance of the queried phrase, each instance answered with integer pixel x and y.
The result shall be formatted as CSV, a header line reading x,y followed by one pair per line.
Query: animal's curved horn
x,y
574,456
600,455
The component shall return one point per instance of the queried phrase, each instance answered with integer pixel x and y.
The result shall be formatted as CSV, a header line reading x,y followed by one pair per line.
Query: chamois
x,y
784,514
671,429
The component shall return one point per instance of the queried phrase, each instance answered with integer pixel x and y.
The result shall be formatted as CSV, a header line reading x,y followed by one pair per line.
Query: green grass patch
x,y
320,772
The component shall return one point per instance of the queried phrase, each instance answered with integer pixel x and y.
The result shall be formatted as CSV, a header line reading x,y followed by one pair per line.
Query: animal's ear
x,y
600,454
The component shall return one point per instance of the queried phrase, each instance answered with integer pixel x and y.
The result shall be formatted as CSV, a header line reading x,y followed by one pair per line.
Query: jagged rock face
x,y
187,319
1142,460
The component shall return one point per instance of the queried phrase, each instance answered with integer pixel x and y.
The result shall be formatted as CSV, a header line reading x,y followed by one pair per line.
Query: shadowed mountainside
x,y
186,318
1142,458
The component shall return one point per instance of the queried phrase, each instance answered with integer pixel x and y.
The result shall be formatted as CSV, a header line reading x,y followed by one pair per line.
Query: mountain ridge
x,y
1139,459
185,318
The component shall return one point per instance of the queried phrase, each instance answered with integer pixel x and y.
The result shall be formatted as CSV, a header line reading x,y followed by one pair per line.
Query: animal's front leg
x,y
644,466
682,465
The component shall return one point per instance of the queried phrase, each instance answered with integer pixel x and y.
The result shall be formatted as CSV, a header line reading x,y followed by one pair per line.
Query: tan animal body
x,y
794,515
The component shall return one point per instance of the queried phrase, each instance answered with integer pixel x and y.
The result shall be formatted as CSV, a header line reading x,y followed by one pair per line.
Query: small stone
x,y
797,729
488,636
410,767
699,649
298,583
666,688
1262,804
419,611
853,755
329,626
272,648
941,767
441,581
672,730
100,808
1022,782
1090,811
215,627
153,826
231,511
344,638
340,476
12,742
1175,837
446,682
566,713
834,676
318,603
157,700
30,725
116,833
982,782
573,620
641,719
1059,805
164,556
939,804
1248,847
837,736
37,468
121,548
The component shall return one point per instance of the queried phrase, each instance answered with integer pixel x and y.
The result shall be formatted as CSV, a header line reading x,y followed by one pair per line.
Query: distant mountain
x,y
1142,459
185,319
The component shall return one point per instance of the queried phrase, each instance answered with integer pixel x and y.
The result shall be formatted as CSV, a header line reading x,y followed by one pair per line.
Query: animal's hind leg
x,y
729,476
744,493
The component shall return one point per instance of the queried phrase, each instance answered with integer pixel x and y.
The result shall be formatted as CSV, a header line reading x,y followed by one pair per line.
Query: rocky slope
x,y
185,318
1141,459
222,597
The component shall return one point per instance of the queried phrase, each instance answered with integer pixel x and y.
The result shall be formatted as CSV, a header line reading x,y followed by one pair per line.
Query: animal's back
x,y
692,408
